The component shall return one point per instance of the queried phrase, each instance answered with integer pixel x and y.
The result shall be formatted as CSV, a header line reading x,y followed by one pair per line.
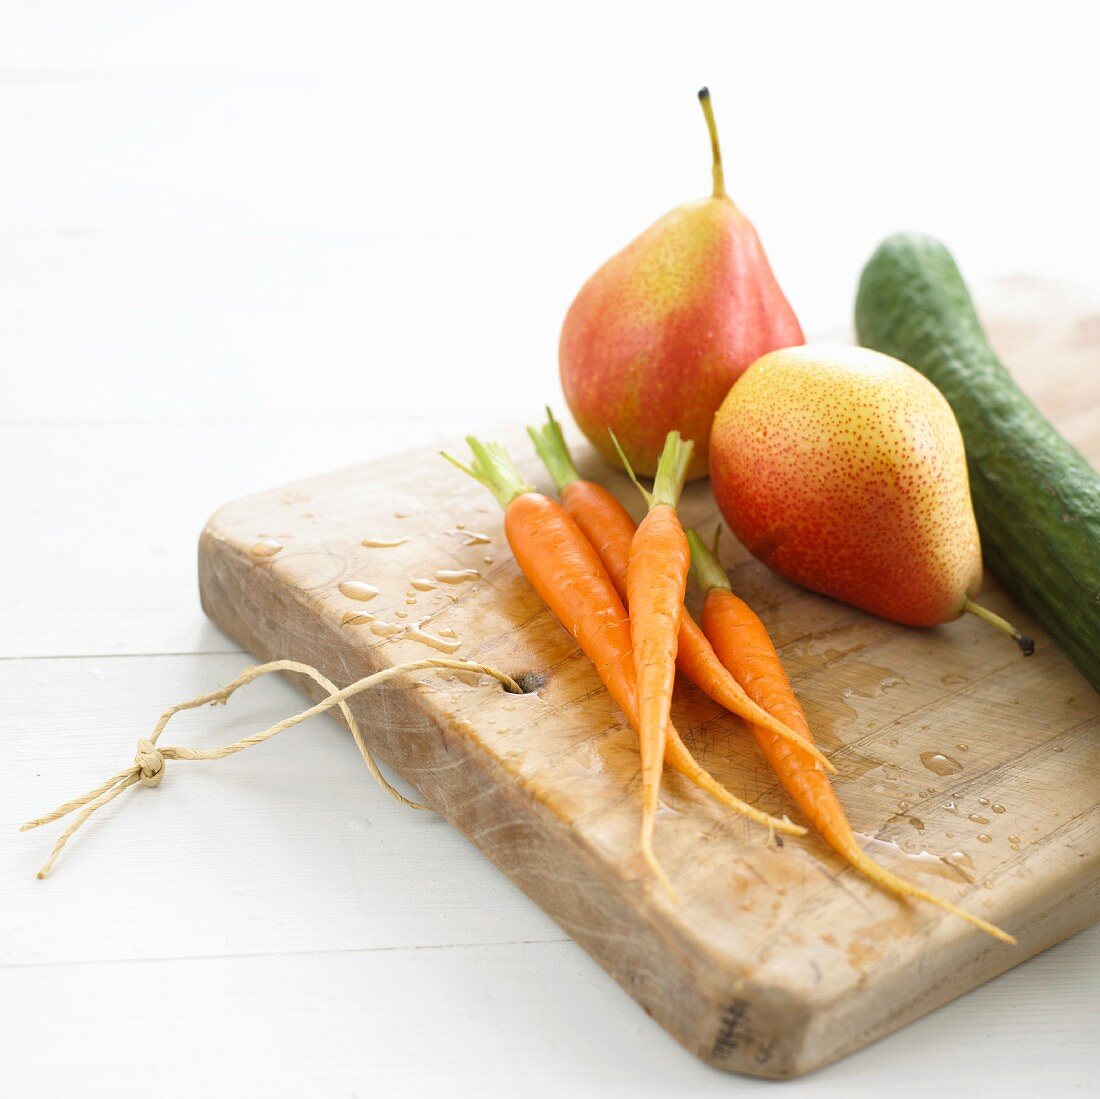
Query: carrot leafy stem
x,y
705,566
551,448
493,467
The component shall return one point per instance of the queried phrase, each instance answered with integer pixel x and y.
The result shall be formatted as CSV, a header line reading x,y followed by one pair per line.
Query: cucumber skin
x,y
1036,499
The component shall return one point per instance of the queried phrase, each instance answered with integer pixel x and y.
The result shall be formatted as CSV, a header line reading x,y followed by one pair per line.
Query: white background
x,y
242,243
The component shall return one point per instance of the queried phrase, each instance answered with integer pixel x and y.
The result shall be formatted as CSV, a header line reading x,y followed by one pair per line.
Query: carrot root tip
x,y
657,869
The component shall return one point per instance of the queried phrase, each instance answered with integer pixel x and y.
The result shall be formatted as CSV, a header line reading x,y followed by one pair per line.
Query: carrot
x,y
656,583
610,529
565,571
743,645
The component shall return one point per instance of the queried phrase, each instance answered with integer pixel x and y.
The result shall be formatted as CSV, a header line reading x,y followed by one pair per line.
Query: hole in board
x,y
529,682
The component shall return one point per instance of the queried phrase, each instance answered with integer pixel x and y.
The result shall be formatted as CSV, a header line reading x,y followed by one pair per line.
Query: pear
x,y
656,337
843,470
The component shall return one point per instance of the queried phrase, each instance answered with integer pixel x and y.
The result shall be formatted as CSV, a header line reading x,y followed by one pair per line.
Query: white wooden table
x,y
224,265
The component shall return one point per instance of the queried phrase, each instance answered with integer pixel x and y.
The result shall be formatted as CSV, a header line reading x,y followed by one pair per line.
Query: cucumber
x,y
1036,499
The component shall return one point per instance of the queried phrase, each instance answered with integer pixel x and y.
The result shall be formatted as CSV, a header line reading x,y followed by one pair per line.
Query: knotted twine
x,y
149,761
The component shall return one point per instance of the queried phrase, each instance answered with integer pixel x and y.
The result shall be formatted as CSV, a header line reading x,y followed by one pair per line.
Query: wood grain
x,y
776,960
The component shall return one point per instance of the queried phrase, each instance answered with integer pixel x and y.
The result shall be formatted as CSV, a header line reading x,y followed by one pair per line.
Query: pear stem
x,y
1027,646
712,126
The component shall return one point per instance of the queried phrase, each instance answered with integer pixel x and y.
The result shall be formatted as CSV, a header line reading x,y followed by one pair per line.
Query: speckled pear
x,y
843,470
656,337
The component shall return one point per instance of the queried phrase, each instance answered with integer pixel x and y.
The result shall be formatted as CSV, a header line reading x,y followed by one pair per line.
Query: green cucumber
x,y
1036,499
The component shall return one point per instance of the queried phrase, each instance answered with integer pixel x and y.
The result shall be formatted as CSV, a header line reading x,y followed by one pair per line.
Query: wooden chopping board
x,y
968,768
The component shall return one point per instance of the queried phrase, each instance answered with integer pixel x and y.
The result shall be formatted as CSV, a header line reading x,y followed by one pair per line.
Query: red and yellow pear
x,y
843,470
656,337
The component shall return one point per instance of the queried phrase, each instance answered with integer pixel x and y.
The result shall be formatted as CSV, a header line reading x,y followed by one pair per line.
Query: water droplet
x,y
422,584
917,823
386,629
460,526
446,632
977,818
487,560
997,808
1059,748
410,601
949,806
266,547
402,614
983,801
903,806
920,862
356,618
457,576
442,643
939,764
983,838
383,543
357,589
963,747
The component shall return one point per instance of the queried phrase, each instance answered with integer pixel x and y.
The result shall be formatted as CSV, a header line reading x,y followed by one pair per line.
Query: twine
x,y
149,761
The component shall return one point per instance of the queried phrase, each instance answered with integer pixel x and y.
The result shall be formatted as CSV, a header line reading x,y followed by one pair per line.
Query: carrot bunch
x,y
572,581
589,563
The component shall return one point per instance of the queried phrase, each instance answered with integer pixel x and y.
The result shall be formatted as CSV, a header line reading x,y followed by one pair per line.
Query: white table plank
x,y
534,1019
228,323
497,160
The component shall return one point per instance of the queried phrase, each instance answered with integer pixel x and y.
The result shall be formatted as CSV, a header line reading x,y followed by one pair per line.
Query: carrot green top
x,y
550,445
494,468
672,469
708,573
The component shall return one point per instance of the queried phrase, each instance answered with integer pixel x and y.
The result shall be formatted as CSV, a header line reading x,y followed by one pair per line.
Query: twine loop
x,y
148,766
149,762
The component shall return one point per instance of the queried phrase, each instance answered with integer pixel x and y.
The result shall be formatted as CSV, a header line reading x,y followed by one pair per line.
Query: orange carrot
x,y
743,645
656,583
565,571
610,529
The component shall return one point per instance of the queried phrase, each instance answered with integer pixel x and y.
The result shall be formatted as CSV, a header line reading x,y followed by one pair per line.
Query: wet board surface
x,y
966,767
